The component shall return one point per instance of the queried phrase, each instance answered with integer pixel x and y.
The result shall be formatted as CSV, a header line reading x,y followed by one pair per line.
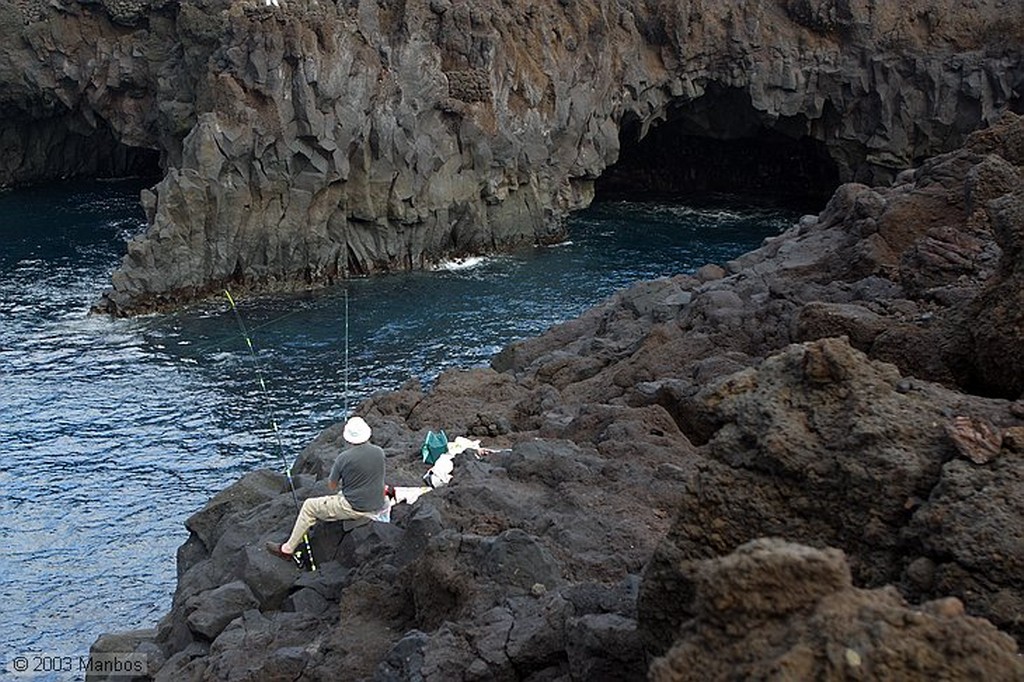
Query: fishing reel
x,y
303,558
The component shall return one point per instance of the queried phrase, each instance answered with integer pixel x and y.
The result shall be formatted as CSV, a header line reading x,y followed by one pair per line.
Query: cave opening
x,y
66,147
121,161
719,144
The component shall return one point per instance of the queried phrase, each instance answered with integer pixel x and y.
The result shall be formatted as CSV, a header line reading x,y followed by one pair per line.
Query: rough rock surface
x,y
831,388
777,610
300,141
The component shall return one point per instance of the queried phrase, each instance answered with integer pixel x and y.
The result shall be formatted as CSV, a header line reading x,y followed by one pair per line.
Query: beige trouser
x,y
326,508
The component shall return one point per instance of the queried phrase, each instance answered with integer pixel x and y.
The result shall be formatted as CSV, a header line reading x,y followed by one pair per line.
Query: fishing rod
x,y
273,422
344,274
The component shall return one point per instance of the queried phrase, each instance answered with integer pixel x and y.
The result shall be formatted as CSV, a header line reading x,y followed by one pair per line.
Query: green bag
x,y
434,445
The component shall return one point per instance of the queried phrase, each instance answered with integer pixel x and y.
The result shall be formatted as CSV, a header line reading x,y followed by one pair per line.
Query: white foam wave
x,y
461,263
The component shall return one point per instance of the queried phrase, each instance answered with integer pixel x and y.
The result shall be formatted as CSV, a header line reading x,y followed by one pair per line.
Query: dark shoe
x,y
275,549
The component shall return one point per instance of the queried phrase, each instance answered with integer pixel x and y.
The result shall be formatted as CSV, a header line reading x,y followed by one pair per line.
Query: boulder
x,y
774,608
214,609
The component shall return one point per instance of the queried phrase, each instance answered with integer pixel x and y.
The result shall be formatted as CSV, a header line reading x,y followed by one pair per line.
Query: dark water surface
x,y
113,432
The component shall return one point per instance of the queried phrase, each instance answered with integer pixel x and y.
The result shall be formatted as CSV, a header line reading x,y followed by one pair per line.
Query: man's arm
x,y
332,480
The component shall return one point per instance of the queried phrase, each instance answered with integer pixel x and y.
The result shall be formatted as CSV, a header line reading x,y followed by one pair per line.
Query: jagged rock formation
x,y
812,390
301,140
775,610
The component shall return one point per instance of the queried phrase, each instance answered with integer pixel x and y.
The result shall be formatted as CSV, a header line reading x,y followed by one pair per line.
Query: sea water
x,y
113,432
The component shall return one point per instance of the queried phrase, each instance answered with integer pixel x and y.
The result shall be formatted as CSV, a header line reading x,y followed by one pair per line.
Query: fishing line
x,y
270,413
212,342
346,350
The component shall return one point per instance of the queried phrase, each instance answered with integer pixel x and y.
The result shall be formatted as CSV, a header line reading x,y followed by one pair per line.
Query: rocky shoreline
x,y
804,463
302,141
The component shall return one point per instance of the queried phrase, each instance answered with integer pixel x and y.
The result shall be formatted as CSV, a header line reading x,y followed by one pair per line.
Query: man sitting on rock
x,y
360,469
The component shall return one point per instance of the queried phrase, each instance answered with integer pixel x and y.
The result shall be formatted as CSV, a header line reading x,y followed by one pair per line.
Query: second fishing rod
x,y
265,394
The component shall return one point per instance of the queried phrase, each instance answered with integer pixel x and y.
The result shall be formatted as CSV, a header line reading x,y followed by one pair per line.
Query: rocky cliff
x,y
300,141
852,389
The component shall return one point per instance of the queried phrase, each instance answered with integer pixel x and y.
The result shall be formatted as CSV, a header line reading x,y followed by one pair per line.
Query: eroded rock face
x,y
997,360
778,609
302,141
821,446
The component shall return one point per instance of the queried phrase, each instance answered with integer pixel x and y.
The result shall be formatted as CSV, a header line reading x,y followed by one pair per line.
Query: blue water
x,y
113,432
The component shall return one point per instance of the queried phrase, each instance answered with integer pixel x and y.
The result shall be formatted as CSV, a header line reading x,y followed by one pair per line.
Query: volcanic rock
x,y
824,391
778,609
301,142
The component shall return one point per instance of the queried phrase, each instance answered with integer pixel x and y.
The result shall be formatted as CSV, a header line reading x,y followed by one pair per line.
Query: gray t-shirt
x,y
361,472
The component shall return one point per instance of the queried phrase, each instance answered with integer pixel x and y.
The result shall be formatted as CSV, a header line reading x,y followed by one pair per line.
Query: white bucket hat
x,y
357,431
